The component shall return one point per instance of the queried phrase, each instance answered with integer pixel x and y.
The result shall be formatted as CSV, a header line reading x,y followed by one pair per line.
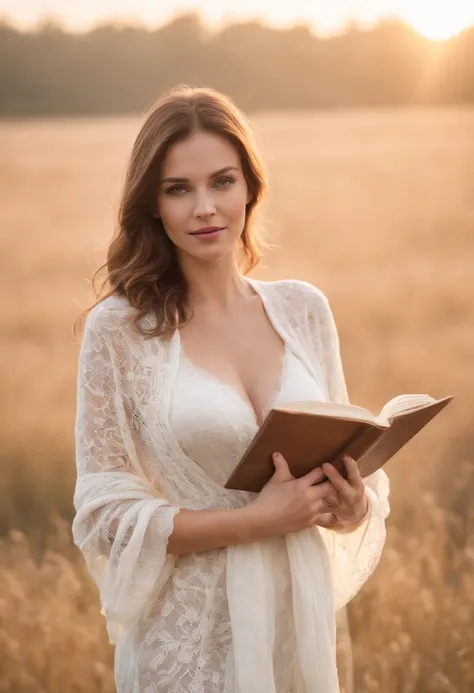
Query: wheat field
x,y
376,207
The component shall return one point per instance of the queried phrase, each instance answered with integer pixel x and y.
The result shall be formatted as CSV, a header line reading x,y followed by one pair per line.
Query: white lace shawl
x,y
133,478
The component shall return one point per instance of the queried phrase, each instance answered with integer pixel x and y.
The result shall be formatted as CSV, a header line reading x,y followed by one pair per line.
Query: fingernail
x,y
276,455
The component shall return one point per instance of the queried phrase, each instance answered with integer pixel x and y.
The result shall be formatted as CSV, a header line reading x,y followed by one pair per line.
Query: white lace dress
x,y
155,434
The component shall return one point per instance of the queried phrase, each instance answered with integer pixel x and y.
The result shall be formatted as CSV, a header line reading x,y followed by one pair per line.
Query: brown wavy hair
x,y
142,262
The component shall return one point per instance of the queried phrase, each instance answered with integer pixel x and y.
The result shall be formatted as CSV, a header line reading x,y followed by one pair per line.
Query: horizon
x,y
432,21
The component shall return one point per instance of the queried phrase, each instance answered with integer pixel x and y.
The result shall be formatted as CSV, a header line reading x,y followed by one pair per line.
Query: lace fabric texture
x,y
257,618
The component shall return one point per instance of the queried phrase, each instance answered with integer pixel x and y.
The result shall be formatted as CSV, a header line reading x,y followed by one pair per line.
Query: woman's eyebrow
x,y
213,175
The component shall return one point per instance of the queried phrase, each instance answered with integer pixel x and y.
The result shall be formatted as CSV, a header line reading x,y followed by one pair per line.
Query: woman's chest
x,y
214,425
245,352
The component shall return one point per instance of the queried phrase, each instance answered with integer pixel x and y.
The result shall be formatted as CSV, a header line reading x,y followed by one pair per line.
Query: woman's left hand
x,y
353,502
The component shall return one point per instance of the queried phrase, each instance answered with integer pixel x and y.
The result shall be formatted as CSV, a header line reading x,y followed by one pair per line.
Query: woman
x,y
205,589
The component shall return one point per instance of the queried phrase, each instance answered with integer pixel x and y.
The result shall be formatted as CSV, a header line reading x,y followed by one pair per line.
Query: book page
x,y
337,409
404,403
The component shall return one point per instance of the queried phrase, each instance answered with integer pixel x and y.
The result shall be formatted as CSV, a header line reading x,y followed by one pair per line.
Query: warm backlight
x,y
439,19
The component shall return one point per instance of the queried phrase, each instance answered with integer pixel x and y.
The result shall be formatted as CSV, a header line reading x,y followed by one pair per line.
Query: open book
x,y
308,434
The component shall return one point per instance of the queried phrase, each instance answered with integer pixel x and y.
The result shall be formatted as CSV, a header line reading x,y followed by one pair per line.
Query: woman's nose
x,y
204,205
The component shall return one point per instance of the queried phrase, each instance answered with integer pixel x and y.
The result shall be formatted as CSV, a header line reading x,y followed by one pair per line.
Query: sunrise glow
x,y
434,19
438,20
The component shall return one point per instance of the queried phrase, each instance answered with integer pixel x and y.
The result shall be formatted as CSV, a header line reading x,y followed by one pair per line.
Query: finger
x,y
282,470
323,490
320,493
353,472
315,476
336,479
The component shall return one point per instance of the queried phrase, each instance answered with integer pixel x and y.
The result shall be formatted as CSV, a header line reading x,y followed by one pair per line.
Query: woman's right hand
x,y
286,504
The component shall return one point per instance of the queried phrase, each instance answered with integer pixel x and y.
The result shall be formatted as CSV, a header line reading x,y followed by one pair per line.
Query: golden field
x,y
374,207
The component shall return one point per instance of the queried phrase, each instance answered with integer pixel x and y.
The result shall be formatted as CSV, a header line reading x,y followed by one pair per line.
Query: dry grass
x,y
375,207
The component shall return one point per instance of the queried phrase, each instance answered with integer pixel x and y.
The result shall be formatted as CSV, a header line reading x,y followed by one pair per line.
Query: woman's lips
x,y
208,235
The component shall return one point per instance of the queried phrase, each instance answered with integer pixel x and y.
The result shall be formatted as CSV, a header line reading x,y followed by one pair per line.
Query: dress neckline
x,y
255,285
212,377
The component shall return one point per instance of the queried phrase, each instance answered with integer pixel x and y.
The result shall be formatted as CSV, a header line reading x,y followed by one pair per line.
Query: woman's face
x,y
202,185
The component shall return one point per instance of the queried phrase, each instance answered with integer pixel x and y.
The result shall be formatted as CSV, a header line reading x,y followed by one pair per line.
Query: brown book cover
x,y
308,434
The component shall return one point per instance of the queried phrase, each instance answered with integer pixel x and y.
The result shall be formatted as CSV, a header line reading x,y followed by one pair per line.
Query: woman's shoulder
x,y
110,314
293,290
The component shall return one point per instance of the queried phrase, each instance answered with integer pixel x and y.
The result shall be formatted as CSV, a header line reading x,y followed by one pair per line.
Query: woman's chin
x,y
211,252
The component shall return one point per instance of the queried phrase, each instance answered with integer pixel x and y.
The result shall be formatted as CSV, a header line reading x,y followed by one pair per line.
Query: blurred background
x,y
365,115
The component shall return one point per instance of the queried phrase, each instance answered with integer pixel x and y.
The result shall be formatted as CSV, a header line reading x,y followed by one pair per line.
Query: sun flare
x,y
436,20
439,20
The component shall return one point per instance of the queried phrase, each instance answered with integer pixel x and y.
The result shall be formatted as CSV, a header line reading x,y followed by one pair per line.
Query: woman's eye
x,y
180,189
175,190
224,182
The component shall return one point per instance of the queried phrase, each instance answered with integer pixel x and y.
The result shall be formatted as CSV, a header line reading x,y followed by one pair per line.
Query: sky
x,y
436,19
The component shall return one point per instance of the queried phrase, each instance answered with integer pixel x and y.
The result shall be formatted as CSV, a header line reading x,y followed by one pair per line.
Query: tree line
x,y
121,69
